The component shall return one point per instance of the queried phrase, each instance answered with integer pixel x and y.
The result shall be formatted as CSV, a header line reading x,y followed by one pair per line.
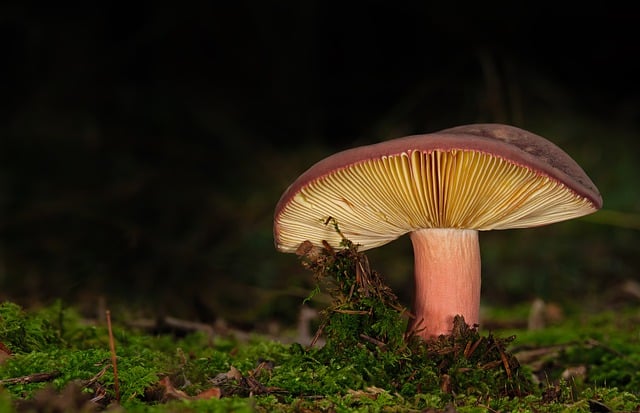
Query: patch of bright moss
x,y
21,332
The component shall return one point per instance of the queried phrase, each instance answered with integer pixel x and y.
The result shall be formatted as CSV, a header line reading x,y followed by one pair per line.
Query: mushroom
x,y
441,188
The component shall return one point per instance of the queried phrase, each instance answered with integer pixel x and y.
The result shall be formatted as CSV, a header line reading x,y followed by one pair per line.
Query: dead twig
x,y
31,378
316,337
380,344
468,351
114,358
505,361
355,312
98,389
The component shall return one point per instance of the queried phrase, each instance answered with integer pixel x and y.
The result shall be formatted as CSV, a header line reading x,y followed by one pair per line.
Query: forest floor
x,y
539,357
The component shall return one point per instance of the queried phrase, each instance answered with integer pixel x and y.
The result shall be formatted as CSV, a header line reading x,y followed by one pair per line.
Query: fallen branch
x,y
31,378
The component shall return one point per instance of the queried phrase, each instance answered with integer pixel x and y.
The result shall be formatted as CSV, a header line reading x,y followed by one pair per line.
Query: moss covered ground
x,y
51,360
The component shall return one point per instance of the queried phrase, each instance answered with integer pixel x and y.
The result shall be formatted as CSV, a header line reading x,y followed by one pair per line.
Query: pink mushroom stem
x,y
447,278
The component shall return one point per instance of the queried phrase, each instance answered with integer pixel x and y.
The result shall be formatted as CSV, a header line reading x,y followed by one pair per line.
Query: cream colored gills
x,y
379,200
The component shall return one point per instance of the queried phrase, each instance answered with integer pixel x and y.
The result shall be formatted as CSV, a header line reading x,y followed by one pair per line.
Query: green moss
x,y
21,332
367,364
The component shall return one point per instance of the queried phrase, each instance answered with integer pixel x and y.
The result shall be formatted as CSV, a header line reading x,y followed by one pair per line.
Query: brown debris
x,y
234,382
171,393
487,353
338,268
370,392
72,398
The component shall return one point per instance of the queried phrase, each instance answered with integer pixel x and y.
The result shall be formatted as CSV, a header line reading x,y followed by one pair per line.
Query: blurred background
x,y
143,149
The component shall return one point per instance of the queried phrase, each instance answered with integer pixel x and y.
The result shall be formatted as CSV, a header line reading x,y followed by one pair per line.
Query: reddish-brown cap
x,y
482,177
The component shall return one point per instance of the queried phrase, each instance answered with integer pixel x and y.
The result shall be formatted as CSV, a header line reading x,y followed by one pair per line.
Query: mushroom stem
x,y
447,277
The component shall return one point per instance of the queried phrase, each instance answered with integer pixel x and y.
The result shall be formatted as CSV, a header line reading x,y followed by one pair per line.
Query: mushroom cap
x,y
481,177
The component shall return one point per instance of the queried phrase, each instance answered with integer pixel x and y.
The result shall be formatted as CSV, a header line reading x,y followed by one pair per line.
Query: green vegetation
x,y
52,361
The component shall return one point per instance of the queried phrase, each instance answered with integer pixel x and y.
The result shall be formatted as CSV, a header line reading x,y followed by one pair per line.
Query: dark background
x,y
144,148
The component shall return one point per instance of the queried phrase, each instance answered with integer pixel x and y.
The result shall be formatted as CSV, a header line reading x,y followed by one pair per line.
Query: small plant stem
x,y
114,359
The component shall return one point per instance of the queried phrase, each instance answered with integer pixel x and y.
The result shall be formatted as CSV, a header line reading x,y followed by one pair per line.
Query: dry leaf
x,y
234,374
212,393
171,392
